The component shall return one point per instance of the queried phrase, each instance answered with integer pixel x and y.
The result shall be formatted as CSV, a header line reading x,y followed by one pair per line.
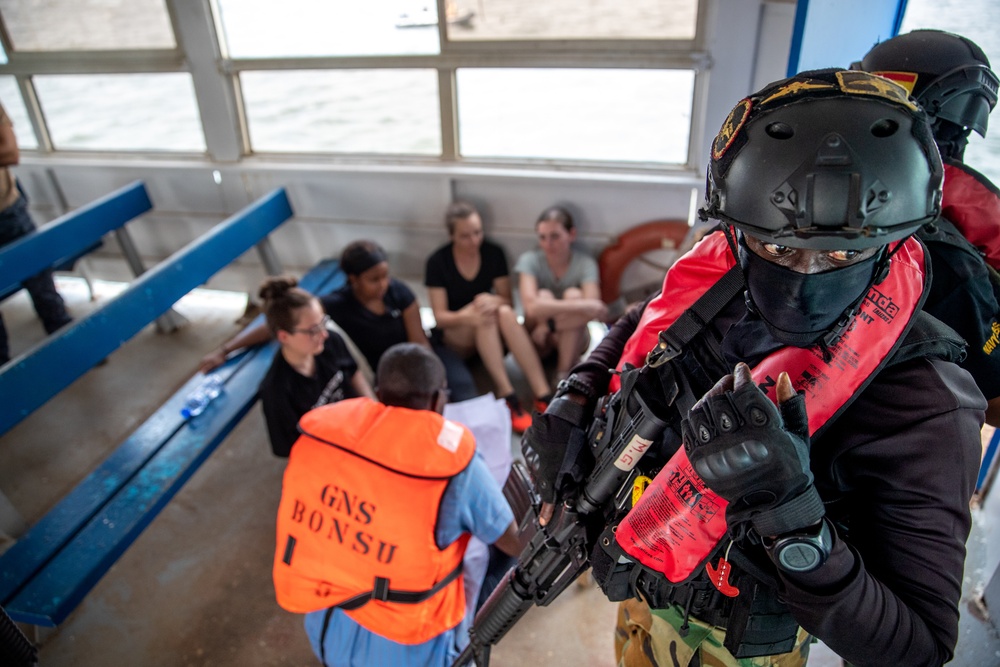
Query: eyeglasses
x,y
316,330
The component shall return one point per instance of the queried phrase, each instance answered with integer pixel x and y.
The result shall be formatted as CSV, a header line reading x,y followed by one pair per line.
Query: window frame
x,y
220,102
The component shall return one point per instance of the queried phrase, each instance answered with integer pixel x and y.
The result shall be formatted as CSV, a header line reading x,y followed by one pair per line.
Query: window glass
x,y
66,25
977,21
266,29
13,104
345,111
571,19
607,114
121,112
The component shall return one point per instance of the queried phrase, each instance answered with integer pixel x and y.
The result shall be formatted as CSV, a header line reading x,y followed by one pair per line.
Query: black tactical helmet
x,y
825,160
949,75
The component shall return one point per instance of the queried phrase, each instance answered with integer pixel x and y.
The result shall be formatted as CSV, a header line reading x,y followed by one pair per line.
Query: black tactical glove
x,y
555,449
754,456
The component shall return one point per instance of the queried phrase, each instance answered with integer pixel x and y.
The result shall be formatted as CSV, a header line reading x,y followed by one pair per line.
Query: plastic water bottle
x,y
204,393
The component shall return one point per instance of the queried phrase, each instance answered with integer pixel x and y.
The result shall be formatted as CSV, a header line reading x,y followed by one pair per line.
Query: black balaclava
x,y
802,309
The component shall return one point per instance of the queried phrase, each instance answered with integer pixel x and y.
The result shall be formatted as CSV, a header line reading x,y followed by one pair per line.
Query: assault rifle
x,y
625,426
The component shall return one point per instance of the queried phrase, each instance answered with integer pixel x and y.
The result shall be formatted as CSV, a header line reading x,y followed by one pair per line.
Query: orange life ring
x,y
649,236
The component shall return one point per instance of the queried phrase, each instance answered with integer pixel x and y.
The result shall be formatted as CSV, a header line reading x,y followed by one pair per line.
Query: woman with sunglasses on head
x,y
469,289
313,366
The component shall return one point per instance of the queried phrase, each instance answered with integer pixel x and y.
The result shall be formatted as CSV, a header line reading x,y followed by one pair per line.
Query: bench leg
x,y
84,270
12,524
36,634
167,322
170,321
268,257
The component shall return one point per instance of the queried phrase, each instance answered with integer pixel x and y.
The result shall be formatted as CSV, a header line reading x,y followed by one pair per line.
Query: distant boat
x,y
427,17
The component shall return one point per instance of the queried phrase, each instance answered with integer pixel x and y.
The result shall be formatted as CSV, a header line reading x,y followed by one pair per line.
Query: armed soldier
x,y
841,512
950,77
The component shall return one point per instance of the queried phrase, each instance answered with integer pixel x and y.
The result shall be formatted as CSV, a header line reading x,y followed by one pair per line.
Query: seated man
x,y
378,503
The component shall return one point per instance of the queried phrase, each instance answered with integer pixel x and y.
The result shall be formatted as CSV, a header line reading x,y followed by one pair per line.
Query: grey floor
x,y
194,589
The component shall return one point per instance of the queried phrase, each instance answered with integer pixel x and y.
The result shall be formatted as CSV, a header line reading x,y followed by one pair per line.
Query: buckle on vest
x,y
664,351
380,591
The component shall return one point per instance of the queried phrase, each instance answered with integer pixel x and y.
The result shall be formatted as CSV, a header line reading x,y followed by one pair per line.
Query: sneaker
x,y
541,405
519,419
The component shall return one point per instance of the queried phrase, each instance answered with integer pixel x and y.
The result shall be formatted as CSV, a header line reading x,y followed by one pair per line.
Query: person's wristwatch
x,y
802,551
577,385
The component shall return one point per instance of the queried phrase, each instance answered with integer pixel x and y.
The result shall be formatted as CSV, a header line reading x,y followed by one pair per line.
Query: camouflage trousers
x,y
650,638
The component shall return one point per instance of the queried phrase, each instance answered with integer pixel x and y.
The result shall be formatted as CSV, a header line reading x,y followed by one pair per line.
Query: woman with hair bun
x,y
313,366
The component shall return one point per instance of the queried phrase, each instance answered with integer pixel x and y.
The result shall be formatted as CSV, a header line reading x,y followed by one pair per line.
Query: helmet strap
x,y
951,138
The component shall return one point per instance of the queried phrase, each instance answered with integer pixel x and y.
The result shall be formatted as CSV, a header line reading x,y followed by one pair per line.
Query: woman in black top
x,y
468,285
312,368
375,311
378,311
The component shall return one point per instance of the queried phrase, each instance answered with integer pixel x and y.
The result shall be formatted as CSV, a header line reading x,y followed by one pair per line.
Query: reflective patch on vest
x,y
450,436
991,343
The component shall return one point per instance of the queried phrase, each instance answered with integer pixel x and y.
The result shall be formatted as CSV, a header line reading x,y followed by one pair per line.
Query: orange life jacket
x,y
972,204
678,521
359,504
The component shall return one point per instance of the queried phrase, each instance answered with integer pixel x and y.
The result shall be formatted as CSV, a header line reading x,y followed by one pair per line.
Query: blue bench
x,y
60,243
48,572
33,378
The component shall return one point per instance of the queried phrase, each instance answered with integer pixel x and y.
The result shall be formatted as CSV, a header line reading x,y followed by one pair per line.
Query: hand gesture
x,y
755,455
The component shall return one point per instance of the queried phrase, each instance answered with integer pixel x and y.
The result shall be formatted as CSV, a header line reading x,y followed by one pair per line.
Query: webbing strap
x,y
381,591
692,321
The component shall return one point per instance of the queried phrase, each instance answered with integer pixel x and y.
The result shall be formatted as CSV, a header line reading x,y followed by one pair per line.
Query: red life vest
x,y
359,504
678,521
972,204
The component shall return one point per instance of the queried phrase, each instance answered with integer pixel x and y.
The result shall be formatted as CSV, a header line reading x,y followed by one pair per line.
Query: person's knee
x,y
461,340
506,315
487,326
572,293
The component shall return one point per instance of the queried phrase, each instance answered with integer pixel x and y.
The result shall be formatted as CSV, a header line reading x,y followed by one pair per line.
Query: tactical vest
x,y
972,204
678,523
356,524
